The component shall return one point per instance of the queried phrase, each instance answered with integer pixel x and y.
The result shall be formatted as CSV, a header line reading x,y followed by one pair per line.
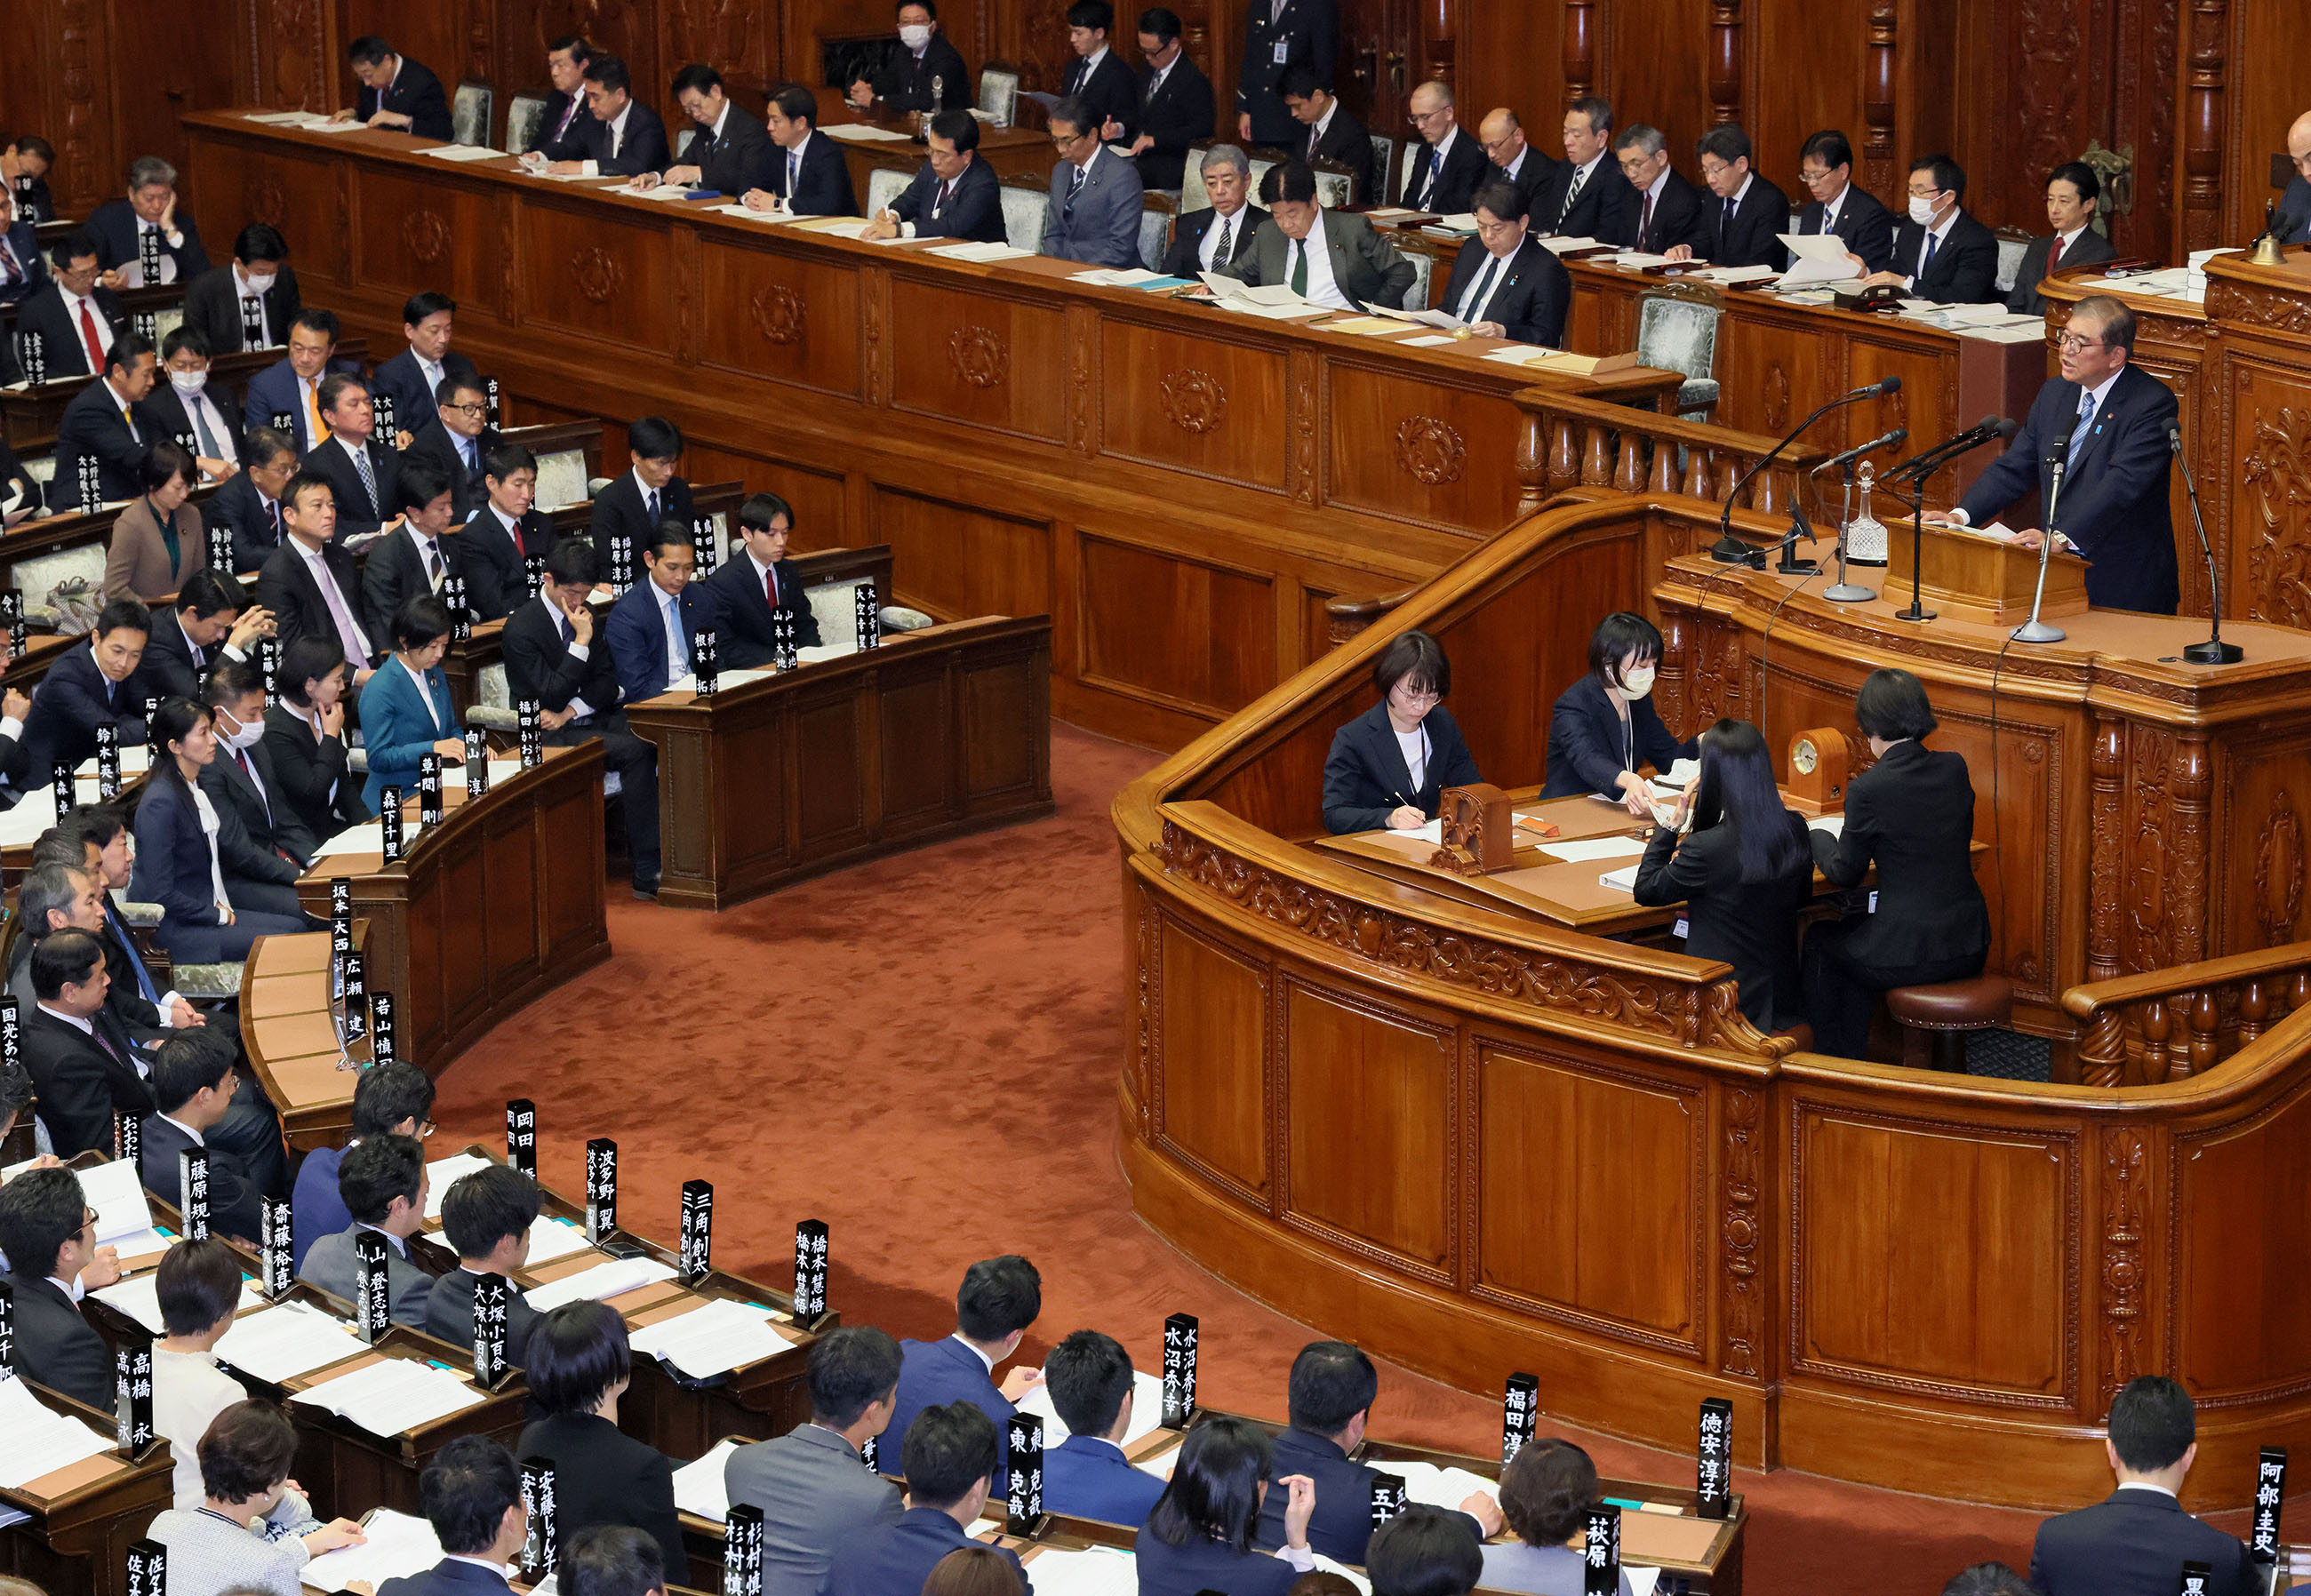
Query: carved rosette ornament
x,y
2277,476
1775,393
2279,872
597,273
426,234
778,313
978,356
265,202
1429,450
1194,401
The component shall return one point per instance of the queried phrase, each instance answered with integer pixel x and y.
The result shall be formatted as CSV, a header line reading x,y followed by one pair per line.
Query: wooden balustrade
x,y
1571,443
2170,1025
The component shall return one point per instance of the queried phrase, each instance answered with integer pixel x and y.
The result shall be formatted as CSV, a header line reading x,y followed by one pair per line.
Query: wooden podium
x,y
1966,574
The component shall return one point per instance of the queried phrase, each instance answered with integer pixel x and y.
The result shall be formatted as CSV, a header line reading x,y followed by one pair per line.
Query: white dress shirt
x,y
188,1391
132,272
72,302
200,409
1207,251
424,693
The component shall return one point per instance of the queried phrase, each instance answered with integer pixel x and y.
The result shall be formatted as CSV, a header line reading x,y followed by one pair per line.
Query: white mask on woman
x,y
1636,682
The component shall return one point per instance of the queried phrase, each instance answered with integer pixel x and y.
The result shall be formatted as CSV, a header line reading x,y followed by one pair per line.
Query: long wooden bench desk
x,y
79,1520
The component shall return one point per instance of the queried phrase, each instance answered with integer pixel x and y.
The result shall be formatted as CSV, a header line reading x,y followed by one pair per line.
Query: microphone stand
x,y
1790,564
1917,610
1842,591
2035,629
2214,650
1730,550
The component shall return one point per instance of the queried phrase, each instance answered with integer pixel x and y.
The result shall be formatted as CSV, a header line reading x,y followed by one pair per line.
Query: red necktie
x,y
2054,255
771,586
88,336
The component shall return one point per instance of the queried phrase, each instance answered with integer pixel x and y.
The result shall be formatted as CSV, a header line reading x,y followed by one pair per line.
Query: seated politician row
x,y
1739,860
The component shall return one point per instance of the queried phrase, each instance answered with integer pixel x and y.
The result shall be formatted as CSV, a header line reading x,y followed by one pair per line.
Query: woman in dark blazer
x,y
1604,727
578,1364
157,542
1743,872
305,735
1198,1536
405,712
179,854
1389,765
1911,814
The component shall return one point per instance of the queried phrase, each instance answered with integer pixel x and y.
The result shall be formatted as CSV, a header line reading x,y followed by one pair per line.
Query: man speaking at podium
x,y
2109,420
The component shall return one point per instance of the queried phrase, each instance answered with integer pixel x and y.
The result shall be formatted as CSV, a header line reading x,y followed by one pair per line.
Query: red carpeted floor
x,y
923,1053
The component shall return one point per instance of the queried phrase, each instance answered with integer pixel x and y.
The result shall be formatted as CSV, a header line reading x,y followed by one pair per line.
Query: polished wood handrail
x,y
1574,442
2172,1023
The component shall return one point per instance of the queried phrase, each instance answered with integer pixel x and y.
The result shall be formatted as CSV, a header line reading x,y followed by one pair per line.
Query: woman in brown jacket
x,y
157,542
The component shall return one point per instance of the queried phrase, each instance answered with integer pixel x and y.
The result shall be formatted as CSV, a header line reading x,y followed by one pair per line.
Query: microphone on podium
x,y
1730,550
2214,650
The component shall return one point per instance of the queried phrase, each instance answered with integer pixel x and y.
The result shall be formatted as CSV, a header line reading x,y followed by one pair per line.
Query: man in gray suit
x,y
1354,268
382,1181
1096,195
814,1491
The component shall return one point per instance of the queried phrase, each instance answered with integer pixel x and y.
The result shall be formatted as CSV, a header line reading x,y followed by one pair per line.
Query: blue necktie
x,y
794,173
1928,264
1435,171
2085,427
129,946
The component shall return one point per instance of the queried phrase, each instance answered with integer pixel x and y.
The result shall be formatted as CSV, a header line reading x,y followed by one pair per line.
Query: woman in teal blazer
x,y
405,711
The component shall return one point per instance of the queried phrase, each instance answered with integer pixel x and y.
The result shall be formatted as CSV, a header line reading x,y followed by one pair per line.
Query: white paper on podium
x,y
1816,257
603,1280
1562,246
1727,275
866,132
1592,850
712,1339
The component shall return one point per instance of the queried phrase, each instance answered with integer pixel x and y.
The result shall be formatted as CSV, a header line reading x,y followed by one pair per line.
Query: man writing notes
x,y
1327,257
955,195
924,73
1444,168
2073,195
1825,166
1279,35
1513,287
1175,102
1096,197
1326,130
1216,237
1743,222
805,174
726,153
1587,197
1668,208
2108,420
396,92
1940,252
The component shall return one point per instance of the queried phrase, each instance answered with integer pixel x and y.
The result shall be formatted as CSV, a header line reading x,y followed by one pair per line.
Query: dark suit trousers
x,y
1841,994
636,764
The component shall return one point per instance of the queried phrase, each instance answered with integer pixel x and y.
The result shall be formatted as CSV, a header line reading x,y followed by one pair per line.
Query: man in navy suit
x,y
955,195
655,623
1511,287
120,226
49,1232
1086,1476
629,507
2295,201
624,139
211,621
99,684
951,1461
1446,166
2136,1540
310,583
1838,206
456,440
1217,237
1277,39
1175,102
412,377
291,386
1940,253
1097,75
805,174
73,313
109,421
249,501
920,70
472,1497
1000,1298
190,409
22,269
561,130
1668,208
1323,129
258,281
1095,196
2109,421
501,535
1586,196
1743,222
758,583
192,1090
361,467
1333,1386
396,92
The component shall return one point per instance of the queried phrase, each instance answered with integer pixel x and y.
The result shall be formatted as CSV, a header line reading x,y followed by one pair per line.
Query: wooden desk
x,y
84,1516
1009,151
1140,469
287,1027
935,734
344,1464
501,902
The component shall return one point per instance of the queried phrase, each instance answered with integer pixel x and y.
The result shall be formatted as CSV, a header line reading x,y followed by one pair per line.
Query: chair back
x,y
1383,159
2013,244
1335,185
998,92
1156,212
472,113
1677,329
1025,211
525,115
562,479
1424,265
885,184
682,141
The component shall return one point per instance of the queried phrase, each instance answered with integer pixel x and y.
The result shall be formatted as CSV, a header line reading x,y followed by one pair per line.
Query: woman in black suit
x,y
1199,1535
1605,726
1911,814
1743,872
578,1365
305,736
180,851
1389,765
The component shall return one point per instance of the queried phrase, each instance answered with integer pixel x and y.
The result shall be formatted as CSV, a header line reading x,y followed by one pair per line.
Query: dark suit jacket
x,y
644,150
1752,926
72,700
168,408
256,529
1365,772
414,406
1366,268
497,579
2296,202
539,665
934,1373
1179,114
42,312
416,93
2114,500
1100,225
1606,208
1465,167
92,426
235,1203
393,572
24,244
1309,32
433,445
449,1314
1347,140
743,615
274,391
55,1345
603,1475
1866,226
172,868
447,1578
822,184
1185,256
1532,175
357,512
1205,1565
1109,88
81,1085
1342,1521
570,146
885,1559
636,634
1760,217
729,163
171,664
1530,304
287,587
113,225
2086,249
2134,1543
1911,814
903,83
1965,271
974,211
620,512
1088,1477
272,824
1676,218
212,306
305,768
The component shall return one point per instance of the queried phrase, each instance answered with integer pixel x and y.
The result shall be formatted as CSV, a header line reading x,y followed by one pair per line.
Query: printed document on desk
x,y
1816,257
700,1487
398,1547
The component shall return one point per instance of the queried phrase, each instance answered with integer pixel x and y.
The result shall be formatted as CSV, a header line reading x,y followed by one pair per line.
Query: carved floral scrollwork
x,y
426,234
979,356
1194,401
1430,450
1739,1232
1775,393
2125,1169
778,313
2277,474
597,273
2279,872
265,203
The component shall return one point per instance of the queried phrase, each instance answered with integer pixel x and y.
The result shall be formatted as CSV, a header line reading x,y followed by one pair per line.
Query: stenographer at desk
x,y
1605,728
1389,766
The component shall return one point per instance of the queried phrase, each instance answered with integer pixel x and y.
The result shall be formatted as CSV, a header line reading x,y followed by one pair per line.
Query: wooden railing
x,y
2170,1025
1572,442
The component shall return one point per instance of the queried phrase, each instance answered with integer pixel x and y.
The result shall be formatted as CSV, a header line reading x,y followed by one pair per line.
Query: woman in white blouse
x,y
181,843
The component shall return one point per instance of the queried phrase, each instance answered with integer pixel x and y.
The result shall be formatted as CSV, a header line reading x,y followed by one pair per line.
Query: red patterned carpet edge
x,y
922,1053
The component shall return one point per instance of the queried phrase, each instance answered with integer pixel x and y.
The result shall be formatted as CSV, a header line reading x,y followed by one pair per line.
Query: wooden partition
x,y
1478,1145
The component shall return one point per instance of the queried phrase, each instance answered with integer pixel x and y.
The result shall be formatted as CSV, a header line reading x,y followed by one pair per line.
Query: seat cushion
x,y
1954,1005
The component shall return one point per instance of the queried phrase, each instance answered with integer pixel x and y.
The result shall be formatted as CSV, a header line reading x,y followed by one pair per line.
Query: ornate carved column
x,y
1440,30
1877,103
2102,1052
1724,62
2203,126
1580,49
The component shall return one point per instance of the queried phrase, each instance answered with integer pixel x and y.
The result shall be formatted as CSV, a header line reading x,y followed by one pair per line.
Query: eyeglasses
x,y
2071,340
1422,119
1412,696
468,409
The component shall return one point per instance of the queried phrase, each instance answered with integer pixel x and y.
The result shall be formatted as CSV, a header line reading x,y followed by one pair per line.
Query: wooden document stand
x,y
1974,576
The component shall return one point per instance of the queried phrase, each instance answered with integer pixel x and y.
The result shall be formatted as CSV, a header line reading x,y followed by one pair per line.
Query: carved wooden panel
x,y
297,195
1194,403
438,233
626,28
1570,1230
2269,417
833,801
2264,809
1195,634
1417,452
588,278
984,360
1927,404
964,561
1371,1101
800,320
1211,1042
1006,714
1774,374
2227,1324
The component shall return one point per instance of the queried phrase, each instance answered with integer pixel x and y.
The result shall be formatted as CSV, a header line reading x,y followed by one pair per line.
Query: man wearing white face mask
x,y
1605,728
1940,253
258,291
203,420
261,844
924,73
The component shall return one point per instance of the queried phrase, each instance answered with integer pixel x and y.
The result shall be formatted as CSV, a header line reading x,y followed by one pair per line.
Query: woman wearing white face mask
x,y
1605,728
157,542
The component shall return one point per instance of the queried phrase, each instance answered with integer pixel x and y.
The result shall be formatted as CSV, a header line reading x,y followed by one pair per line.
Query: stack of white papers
x,y
866,131
1284,311
368,838
398,1547
1427,341
1593,849
1621,880
39,1442
140,1299
392,1395
1633,258
1438,1487
743,214
124,1220
442,1174
981,254
1816,257
1117,276
2024,330
712,1339
286,1340
463,152
1565,246
1146,1411
603,1280
700,1488
549,1239
1095,1571
661,191
1728,274
1834,824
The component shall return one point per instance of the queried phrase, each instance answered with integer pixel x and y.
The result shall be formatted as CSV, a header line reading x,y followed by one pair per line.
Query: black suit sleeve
x,y
77,1093
656,1512
1669,873
1351,803
532,671
2008,477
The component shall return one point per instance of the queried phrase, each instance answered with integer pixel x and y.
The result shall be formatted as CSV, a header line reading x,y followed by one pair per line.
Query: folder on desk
x,y
1816,258
1622,880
